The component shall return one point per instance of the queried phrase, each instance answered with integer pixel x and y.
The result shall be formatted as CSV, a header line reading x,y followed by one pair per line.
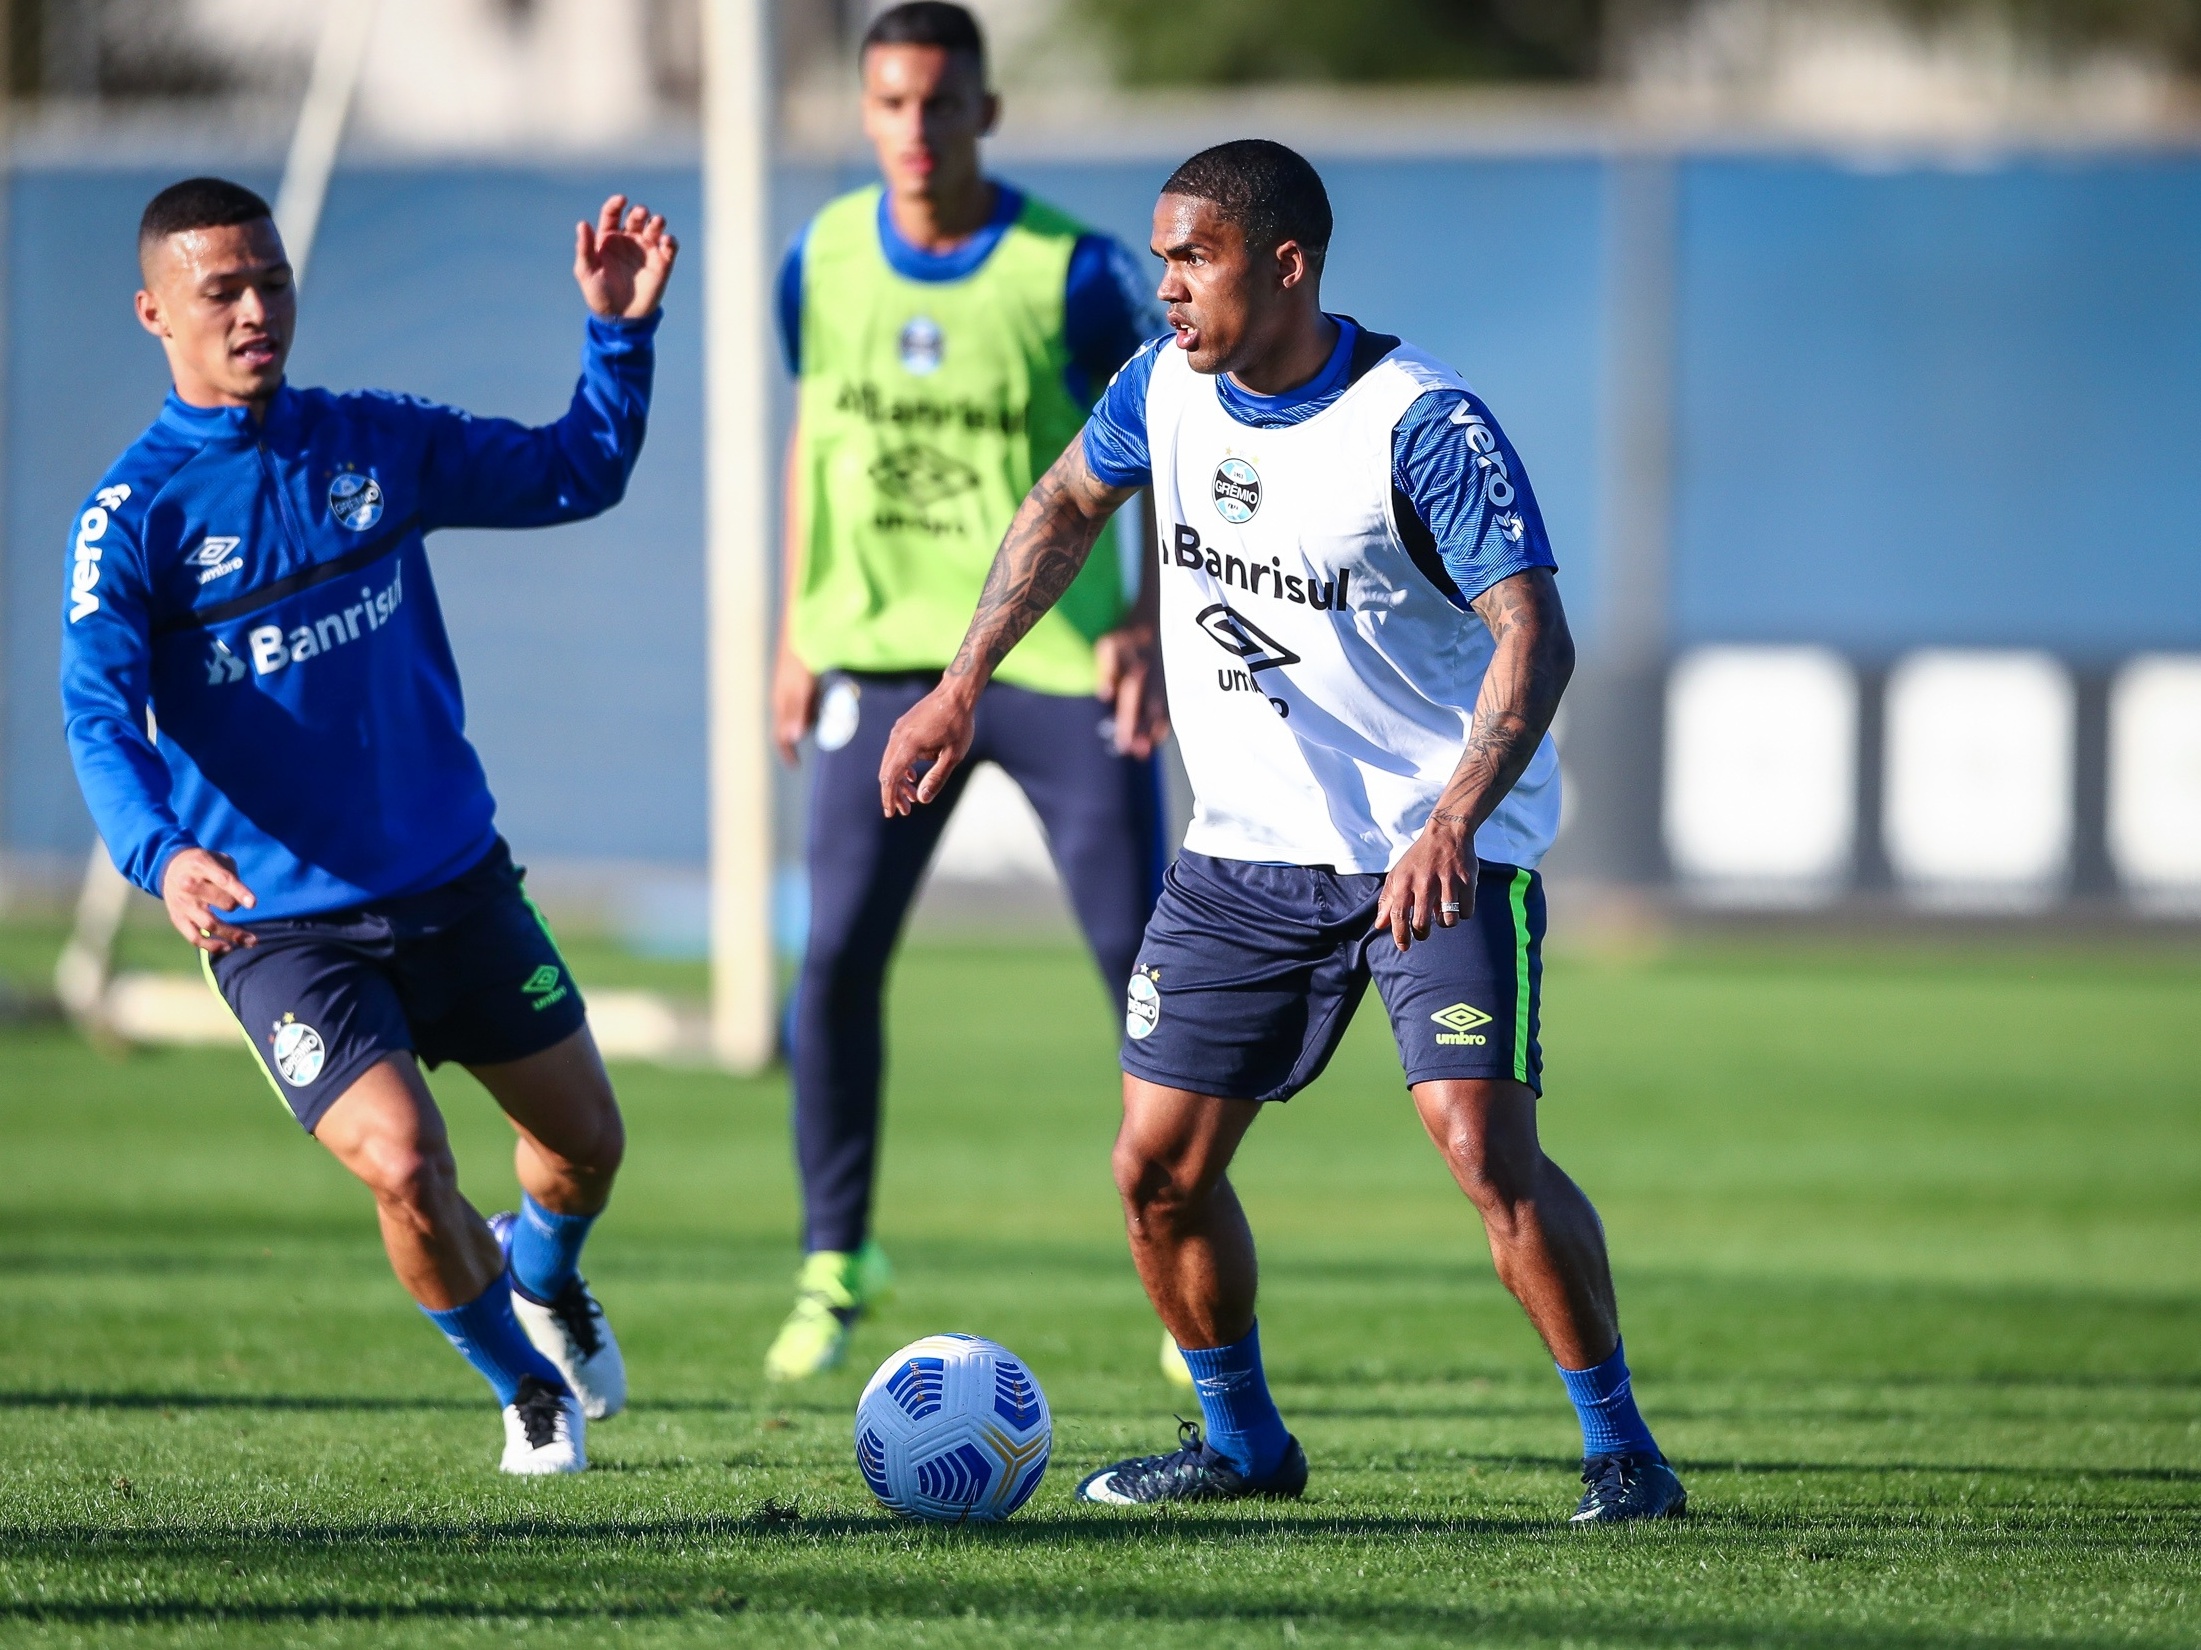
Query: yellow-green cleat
x,y
1174,1369
833,1291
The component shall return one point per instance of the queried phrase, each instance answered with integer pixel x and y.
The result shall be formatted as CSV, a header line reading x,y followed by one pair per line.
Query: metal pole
x,y
736,200
320,128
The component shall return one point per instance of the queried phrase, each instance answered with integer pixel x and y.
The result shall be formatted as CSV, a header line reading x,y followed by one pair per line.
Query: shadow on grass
x,y
1008,1608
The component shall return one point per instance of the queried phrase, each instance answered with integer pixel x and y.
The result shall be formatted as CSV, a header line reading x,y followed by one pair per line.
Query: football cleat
x,y
1174,1368
1626,1487
833,1292
1191,1472
573,1334
544,1431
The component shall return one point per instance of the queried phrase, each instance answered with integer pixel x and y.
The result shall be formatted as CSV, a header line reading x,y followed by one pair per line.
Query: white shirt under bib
x,y
1321,688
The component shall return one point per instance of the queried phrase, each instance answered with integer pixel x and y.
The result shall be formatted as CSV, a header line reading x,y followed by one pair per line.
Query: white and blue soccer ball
x,y
953,1428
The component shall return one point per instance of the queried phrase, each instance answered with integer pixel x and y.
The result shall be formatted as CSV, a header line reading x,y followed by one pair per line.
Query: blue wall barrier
x,y
1910,407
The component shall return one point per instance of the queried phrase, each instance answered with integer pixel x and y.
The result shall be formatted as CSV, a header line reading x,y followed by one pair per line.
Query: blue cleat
x,y
1191,1472
1623,1488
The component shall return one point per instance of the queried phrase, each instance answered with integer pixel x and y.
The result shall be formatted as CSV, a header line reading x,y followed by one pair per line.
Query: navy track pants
x,y
1103,817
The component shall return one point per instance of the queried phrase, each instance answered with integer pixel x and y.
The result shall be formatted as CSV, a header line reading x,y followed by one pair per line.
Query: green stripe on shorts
x,y
1520,975
206,968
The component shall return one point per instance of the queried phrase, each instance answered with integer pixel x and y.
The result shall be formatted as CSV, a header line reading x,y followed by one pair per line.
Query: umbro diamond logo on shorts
x,y
545,986
1459,1022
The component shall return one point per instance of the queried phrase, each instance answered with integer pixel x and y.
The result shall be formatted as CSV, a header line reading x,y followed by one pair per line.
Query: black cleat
x,y
1627,1487
1191,1472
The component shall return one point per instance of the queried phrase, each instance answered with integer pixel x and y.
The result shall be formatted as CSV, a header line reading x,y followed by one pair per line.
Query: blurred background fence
x,y
1855,355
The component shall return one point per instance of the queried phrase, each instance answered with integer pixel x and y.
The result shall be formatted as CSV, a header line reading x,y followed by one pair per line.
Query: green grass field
x,y
1908,1242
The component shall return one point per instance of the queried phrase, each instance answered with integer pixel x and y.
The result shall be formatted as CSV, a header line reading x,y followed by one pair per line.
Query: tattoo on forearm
x,y
1046,545
1520,693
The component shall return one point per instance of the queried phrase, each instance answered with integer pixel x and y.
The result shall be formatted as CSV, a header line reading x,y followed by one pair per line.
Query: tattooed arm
x,y
1045,547
1520,694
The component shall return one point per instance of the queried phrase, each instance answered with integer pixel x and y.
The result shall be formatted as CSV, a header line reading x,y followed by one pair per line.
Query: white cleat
x,y
573,1333
544,1432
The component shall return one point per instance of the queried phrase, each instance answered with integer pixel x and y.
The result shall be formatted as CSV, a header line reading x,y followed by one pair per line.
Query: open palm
x,y
623,260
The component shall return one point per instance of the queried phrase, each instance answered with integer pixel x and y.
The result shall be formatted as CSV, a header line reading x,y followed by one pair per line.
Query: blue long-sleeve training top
x,y
263,590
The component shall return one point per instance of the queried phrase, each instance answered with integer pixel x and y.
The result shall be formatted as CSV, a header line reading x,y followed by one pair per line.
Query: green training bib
x,y
928,410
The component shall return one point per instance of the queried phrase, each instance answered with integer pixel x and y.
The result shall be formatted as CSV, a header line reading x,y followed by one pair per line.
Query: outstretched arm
x,y
493,472
1045,547
1520,695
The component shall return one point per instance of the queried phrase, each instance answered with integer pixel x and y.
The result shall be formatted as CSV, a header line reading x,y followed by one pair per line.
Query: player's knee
x,y
1156,1188
1496,1176
407,1173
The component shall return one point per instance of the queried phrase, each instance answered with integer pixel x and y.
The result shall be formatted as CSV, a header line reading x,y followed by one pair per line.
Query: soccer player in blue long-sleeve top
x,y
266,721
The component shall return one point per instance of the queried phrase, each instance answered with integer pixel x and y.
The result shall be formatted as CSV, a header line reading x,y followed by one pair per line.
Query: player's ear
x,y
989,114
149,315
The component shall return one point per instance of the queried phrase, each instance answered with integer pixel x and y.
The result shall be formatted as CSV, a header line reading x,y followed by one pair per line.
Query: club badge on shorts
x,y
1142,1005
355,501
299,1051
839,714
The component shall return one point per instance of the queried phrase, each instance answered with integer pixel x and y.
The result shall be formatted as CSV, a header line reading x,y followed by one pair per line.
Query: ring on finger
x,y
1450,908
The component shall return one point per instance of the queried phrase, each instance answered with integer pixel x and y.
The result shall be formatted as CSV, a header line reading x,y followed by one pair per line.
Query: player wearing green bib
x,y
949,335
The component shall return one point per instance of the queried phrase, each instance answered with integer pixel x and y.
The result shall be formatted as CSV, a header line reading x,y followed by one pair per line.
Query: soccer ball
x,y
953,1428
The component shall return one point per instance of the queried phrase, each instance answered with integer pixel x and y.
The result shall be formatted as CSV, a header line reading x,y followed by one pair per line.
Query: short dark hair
x,y
927,23
197,203
1267,190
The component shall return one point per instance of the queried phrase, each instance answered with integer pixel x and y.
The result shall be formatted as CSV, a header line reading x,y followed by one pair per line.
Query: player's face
x,y
1208,283
223,305
925,108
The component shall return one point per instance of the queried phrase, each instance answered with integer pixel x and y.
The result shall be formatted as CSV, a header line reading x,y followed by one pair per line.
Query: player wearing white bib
x,y
1364,648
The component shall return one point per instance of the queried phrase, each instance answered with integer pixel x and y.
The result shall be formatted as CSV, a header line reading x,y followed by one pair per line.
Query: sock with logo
x,y
1604,1400
546,1250
1242,1423
490,1338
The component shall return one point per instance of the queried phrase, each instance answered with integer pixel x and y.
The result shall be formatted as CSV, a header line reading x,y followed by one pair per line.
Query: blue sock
x,y
1242,1423
546,1249
1604,1400
490,1338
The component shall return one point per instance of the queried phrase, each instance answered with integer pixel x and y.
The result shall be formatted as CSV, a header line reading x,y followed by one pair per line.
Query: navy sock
x,y
1242,1423
490,1338
1604,1400
546,1249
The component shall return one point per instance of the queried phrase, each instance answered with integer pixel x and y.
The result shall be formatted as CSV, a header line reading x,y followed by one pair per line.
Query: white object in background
x,y
2155,778
1761,773
993,835
178,1009
741,535
320,129
1977,807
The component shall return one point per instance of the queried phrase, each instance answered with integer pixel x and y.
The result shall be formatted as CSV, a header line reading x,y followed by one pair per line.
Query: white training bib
x,y
1320,687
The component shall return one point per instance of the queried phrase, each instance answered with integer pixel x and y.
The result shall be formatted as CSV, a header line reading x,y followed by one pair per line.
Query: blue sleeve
x,y
1108,311
1466,486
106,686
787,304
1115,433
492,472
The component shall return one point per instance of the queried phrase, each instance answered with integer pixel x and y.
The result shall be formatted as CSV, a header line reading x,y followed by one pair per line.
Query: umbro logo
x,y
544,987
215,560
1239,636
1459,1022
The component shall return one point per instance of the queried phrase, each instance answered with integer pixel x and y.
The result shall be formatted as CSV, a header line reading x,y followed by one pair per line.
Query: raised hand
x,y
623,260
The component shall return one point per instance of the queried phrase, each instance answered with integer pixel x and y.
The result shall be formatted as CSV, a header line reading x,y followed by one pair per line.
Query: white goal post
x,y
737,118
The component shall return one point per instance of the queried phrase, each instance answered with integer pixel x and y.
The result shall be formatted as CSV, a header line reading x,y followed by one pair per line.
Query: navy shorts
x,y
467,971
1249,975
